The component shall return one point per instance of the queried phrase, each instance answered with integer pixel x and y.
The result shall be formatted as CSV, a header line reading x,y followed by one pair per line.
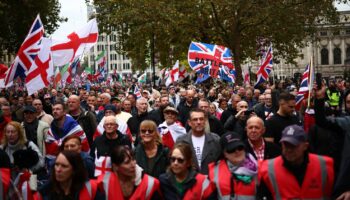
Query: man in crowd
x,y
40,113
173,97
86,119
265,110
206,146
232,109
62,126
284,117
296,174
255,143
171,128
35,129
341,126
157,114
237,123
213,124
185,106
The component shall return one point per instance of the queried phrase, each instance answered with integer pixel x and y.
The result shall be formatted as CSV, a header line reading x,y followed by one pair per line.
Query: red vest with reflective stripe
x,y
317,183
202,189
111,186
87,193
5,178
221,176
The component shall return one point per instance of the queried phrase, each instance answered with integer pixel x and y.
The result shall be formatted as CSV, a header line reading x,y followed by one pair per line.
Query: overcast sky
x,y
76,12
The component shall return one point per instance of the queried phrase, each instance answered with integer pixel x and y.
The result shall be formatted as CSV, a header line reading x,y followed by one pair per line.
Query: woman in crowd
x,y
73,143
22,153
68,180
150,154
213,112
235,176
127,180
222,105
181,181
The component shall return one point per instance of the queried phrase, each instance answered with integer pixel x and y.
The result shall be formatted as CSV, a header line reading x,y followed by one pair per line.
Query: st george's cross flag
x,y
41,70
265,68
211,60
76,43
173,74
26,53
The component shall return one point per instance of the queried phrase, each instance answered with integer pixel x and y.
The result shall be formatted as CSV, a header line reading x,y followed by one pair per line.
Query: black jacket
x,y
87,121
169,191
134,124
271,150
103,145
227,113
161,160
184,110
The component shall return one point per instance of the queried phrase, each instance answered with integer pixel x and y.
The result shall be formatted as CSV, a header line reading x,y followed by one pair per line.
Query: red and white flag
x,y
182,73
246,75
40,72
173,74
3,70
75,44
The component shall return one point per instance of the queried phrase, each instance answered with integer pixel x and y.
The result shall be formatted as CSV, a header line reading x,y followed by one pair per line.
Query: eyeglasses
x,y
179,160
146,131
240,148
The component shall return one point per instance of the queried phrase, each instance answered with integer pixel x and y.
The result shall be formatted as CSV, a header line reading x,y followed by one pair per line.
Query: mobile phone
x,y
319,80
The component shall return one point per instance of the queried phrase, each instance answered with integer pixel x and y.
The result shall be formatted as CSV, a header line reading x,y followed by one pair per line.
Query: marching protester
x,y
235,175
296,173
181,181
127,180
68,180
205,145
150,154
171,128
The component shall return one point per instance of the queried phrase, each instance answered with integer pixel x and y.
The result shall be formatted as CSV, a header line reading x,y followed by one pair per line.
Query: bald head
x,y
242,105
255,128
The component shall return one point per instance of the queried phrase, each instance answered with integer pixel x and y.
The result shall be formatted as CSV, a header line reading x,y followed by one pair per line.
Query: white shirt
x,y
198,144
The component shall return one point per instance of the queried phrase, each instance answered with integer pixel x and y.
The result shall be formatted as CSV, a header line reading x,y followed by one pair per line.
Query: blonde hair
x,y
22,139
152,125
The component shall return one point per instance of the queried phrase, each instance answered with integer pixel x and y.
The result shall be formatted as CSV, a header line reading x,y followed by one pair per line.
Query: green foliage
x,y
17,16
233,23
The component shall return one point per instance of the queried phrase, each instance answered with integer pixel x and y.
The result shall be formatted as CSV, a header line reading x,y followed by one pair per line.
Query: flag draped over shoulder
x,y
305,85
212,61
26,53
76,43
56,136
265,67
41,70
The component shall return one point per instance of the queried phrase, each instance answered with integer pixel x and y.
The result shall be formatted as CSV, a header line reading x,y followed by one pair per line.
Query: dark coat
x,y
87,121
211,150
169,191
236,125
271,150
227,113
161,160
134,124
184,110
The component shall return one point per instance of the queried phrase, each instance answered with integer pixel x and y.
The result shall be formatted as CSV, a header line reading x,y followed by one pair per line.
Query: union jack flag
x,y
27,52
137,92
265,67
303,92
212,60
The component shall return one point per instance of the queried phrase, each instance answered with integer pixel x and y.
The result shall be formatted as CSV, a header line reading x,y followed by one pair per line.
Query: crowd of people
x,y
207,141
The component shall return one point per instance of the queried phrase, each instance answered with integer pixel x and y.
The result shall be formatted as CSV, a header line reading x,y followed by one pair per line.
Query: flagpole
x,y
310,81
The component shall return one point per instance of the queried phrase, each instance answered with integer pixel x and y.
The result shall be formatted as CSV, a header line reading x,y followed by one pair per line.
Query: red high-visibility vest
x,y
317,183
109,183
221,176
202,189
88,192
5,177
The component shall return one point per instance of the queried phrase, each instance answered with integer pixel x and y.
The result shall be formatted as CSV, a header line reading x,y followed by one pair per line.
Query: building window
x,y
337,56
324,56
347,54
347,31
323,33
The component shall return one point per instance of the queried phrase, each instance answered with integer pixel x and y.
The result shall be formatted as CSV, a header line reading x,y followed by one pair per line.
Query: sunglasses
x,y
240,148
145,131
179,160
